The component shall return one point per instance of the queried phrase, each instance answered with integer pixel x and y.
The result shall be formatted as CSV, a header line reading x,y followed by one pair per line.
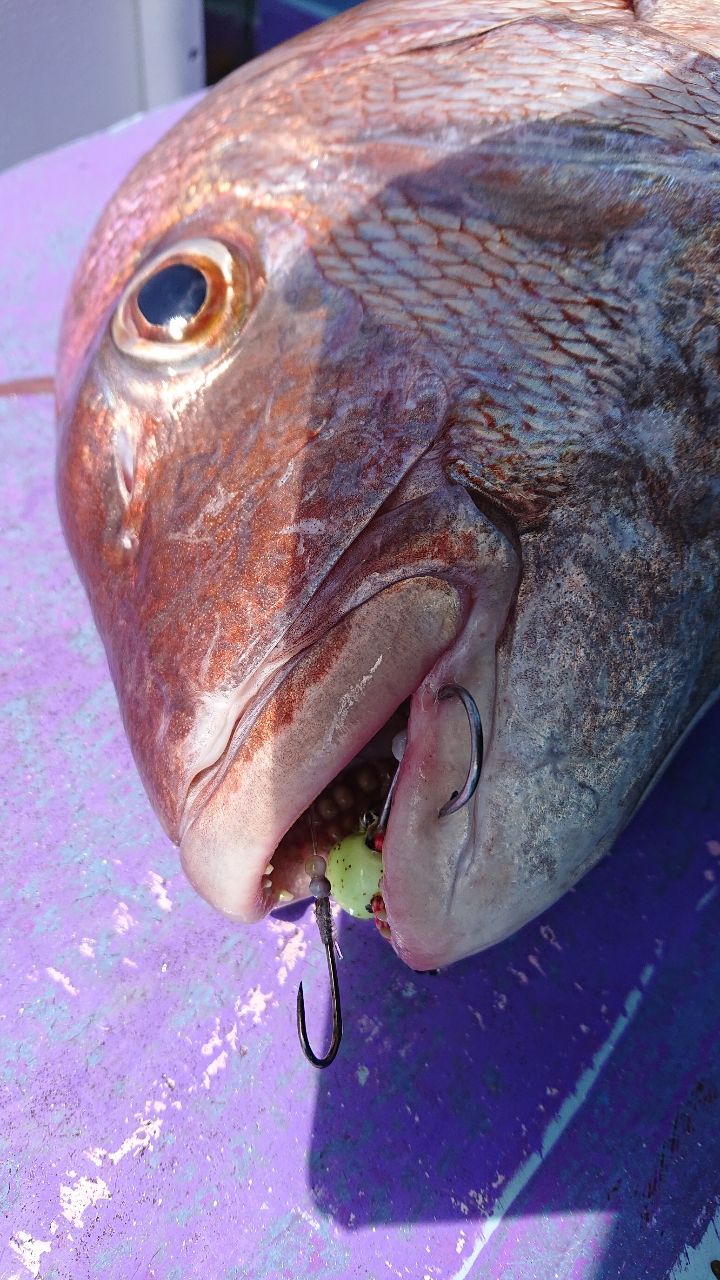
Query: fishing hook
x,y
320,889
380,829
375,827
460,798
320,885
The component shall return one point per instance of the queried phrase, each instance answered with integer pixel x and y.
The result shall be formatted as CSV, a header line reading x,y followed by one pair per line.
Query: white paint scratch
x,y
60,978
217,1064
294,949
122,919
159,891
549,936
87,947
29,1250
707,898
213,1043
557,1126
78,1198
256,1004
280,926
142,1138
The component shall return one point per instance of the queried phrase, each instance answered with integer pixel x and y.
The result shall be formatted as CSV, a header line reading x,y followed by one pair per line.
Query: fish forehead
x,y
388,87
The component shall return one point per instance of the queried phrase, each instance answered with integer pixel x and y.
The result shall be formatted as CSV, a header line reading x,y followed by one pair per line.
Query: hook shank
x,y
325,927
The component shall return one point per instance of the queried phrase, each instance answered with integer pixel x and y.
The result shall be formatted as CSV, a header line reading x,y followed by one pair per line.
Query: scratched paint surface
x,y
549,1108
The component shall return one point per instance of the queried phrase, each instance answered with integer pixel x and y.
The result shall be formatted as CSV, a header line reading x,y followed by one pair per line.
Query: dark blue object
x,y
278,20
173,293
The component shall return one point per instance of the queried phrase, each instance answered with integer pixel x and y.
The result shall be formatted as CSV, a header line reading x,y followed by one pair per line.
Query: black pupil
x,y
173,293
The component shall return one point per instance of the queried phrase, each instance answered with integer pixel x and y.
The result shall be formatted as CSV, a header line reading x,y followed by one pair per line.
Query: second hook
x,y
462,797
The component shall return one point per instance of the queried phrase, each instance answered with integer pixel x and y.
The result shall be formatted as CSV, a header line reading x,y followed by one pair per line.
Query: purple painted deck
x,y
551,1108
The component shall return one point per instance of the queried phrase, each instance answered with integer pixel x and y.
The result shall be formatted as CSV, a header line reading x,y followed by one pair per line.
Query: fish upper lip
x,y
364,667
258,690
209,776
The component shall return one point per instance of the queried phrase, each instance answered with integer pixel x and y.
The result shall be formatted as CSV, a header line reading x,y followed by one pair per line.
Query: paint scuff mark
x,y
75,1200
213,1043
256,1003
29,1250
707,898
122,920
217,1064
147,1132
62,980
700,1259
158,889
294,949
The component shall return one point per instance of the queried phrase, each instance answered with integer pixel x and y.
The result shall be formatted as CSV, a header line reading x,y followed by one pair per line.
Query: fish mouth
x,y
318,757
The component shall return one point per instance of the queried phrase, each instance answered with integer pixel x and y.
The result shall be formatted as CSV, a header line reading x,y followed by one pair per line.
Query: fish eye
x,y
173,296
182,302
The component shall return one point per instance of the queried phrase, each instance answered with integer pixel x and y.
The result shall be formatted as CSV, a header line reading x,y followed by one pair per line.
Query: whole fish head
x,y
393,366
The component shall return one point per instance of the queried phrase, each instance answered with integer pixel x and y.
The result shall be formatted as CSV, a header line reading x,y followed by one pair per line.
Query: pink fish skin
x,y
448,412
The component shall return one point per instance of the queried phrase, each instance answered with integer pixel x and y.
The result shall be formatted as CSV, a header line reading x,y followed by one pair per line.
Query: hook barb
x,y
324,923
461,798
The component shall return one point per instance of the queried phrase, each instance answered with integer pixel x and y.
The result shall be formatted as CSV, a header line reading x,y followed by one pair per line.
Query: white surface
x,y
71,67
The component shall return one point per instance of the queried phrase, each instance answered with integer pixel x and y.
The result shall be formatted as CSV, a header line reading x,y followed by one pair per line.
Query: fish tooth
x,y
285,896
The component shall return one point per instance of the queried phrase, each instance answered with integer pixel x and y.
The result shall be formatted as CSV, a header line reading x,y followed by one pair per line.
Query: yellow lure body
x,y
354,872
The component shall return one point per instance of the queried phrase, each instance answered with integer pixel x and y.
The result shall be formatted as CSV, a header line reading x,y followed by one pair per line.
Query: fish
x,y
395,366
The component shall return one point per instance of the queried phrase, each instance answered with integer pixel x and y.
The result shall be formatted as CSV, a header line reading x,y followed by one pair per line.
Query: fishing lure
x,y
356,867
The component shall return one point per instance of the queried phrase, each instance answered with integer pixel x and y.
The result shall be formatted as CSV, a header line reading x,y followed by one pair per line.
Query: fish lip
x,y
233,828
421,893
206,780
204,785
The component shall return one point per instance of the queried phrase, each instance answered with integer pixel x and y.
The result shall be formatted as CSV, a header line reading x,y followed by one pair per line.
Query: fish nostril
x,y
173,296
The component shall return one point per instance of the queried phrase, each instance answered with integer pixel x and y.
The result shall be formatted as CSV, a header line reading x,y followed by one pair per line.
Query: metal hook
x,y
383,821
324,921
376,829
320,889
461,798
